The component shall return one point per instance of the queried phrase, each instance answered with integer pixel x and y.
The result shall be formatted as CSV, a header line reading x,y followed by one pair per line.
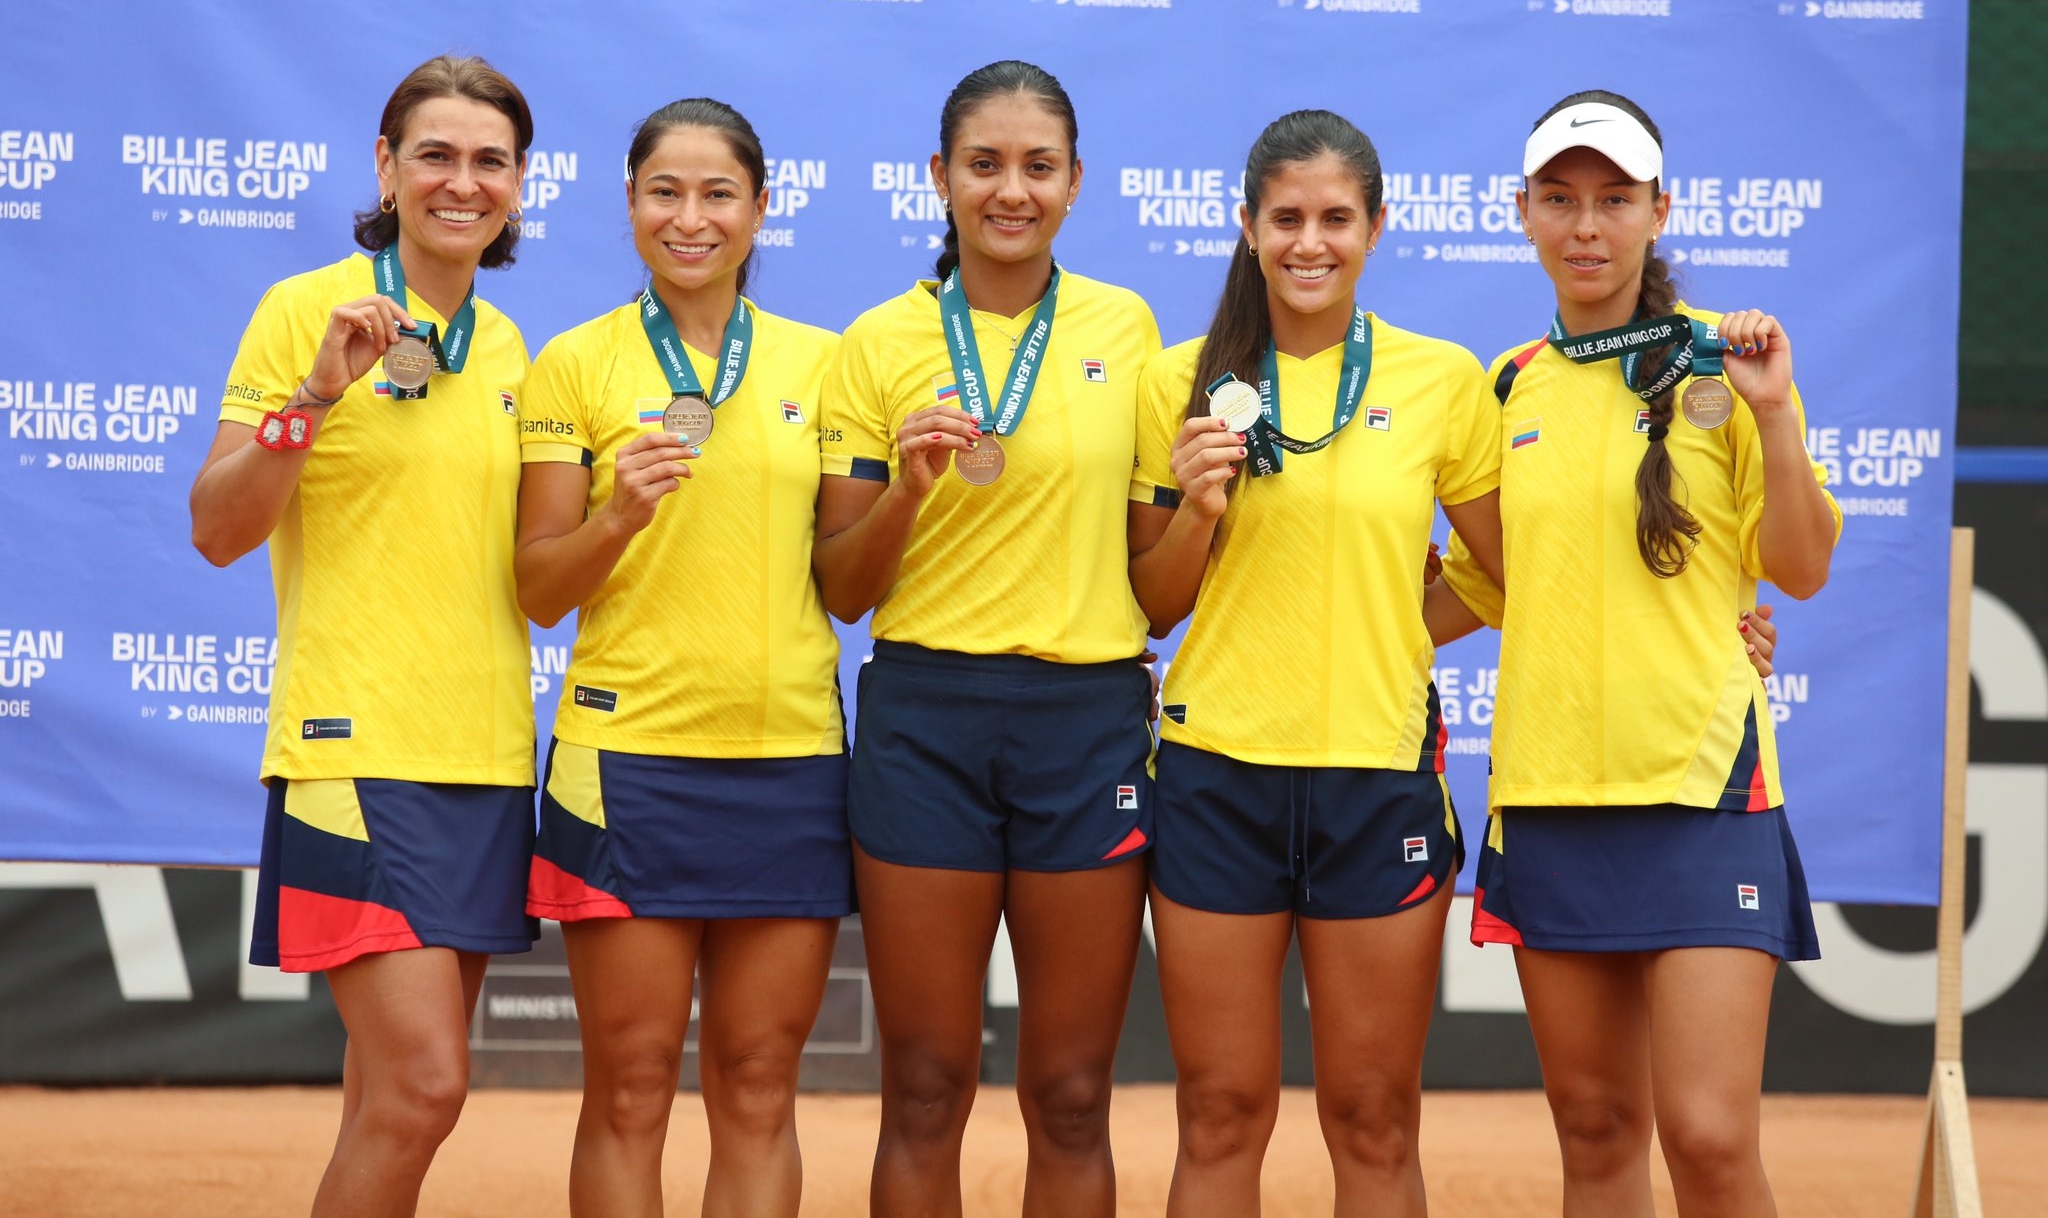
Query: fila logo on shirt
x,y
792,412
1094,370
1126,798
1642,421
1415,850
1745,896
505,400
1379,418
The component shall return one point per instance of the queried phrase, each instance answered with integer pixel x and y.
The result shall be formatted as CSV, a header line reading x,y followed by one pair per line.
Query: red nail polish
x,y
1744,627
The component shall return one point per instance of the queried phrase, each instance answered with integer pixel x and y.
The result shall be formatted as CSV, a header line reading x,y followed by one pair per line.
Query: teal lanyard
x,y
668,347
1024,365
1265,440
451,353
1698,355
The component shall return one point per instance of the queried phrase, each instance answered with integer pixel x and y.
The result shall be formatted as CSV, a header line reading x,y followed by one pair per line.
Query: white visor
x,y
1607,130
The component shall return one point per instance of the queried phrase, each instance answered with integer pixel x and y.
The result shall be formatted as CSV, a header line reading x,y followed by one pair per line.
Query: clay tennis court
x,y
223,1153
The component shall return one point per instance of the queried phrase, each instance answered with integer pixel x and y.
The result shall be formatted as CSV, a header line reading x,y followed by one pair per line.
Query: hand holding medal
x,y
1758,360
649,467
358,335
417,350
928,440
1206,453
983,460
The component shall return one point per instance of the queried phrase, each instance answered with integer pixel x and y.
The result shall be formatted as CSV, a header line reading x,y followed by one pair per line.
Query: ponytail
x,y
949,253
1239,332
1665,530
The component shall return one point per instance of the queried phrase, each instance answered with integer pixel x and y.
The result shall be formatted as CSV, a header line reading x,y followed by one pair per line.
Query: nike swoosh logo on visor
x,y
1587,122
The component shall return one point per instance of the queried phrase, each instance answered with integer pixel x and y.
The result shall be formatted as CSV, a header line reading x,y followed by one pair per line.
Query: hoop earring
x,y
388,204
514,216
946,205
1250,250
1070,209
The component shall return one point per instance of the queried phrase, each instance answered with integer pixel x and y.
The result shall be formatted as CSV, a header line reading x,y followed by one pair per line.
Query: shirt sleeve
x,y
855,435
275,355
1163,388
1749,482
1472,585
1471,465
554,417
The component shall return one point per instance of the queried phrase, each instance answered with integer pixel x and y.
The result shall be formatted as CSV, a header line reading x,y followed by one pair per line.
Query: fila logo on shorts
x,y
792,412
1126,798
1415,850
1379,418
1745,896
1094,370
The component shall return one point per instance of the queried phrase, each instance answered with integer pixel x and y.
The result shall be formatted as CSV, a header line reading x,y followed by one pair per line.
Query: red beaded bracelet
x,y
288,428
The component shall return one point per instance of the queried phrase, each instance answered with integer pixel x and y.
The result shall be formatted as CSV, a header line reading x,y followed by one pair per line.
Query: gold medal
x,y
1708,403
983,463
688,418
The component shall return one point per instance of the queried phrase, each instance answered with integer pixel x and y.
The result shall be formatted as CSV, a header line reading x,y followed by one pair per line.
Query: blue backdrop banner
x,y
160,166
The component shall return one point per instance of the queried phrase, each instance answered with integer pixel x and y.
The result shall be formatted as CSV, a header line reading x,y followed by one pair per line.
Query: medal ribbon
x,y
966,355
1699,355
449,356
1263,444
668,348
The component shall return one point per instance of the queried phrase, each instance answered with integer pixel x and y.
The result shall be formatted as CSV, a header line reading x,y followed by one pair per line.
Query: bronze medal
x,y
408,362
688,418
981,464
1708,403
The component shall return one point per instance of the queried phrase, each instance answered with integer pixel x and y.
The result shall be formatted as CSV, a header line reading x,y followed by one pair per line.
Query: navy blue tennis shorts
x,y
998,762
1322,841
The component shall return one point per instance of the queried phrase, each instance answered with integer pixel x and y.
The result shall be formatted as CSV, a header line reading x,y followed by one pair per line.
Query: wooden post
x,y
1948,1161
